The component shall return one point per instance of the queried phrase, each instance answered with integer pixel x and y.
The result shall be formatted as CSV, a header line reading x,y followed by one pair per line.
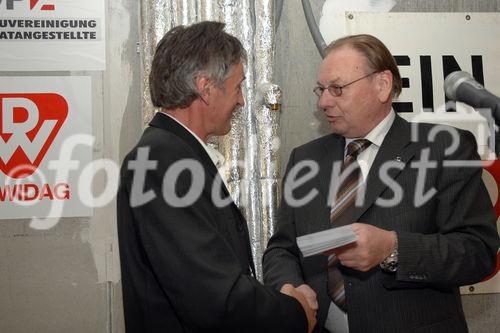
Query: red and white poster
x,y
45,140
51,35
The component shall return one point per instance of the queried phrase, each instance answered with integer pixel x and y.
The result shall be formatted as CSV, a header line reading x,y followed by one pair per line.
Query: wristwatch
x,y
390,264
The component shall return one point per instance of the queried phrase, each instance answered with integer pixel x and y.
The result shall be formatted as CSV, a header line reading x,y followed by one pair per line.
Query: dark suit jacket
x,y
447,241
189,269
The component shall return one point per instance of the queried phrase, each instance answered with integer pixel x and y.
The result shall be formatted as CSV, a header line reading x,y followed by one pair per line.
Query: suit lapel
x,y
333,152
396,147
164,122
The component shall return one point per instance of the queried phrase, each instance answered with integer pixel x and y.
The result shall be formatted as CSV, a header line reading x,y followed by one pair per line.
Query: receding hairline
x,y
365,61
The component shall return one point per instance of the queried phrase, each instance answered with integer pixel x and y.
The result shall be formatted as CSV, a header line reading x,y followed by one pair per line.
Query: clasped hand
x,y
307,298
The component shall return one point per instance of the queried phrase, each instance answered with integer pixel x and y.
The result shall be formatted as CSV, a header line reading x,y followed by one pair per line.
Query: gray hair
x,y
185,53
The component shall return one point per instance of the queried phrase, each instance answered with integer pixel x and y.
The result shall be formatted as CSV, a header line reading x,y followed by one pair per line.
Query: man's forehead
x,y
237,71
340,63
343,57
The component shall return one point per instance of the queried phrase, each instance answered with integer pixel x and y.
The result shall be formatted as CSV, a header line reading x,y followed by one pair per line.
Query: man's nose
x,y
241,100
326,100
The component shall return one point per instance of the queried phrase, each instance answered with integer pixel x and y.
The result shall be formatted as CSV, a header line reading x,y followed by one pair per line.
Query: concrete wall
x,y
67,278
297,63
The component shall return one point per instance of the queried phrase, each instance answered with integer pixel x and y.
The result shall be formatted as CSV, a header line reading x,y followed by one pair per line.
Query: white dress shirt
x,y
336,320
376,137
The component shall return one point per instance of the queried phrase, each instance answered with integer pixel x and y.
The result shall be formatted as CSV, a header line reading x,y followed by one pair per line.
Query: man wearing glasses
x,y
424,227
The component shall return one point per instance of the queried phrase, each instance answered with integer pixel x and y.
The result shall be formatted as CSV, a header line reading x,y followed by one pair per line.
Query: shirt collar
x,y
378,133
216,157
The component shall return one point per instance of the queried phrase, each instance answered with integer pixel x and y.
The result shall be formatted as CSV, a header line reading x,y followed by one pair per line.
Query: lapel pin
x,y
398,158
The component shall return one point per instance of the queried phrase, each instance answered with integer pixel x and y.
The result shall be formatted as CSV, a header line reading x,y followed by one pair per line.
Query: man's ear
x,y
204,86
384,86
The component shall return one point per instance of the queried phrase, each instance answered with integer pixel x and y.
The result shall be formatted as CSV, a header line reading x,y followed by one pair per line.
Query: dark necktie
x,y
342,213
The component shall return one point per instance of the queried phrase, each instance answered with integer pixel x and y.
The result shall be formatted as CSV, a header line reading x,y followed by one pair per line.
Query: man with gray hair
x,y
185,253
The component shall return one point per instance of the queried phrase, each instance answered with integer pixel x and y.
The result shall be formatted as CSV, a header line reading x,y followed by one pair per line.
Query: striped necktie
x,y
342,213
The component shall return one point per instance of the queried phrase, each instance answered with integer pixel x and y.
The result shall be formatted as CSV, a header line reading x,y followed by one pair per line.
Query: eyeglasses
x,y
336,90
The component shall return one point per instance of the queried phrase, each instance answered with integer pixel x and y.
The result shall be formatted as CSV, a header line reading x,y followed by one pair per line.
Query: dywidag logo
x,y
29,124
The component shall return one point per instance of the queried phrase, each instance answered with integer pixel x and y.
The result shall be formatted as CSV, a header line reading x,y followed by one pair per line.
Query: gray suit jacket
x,y
446,241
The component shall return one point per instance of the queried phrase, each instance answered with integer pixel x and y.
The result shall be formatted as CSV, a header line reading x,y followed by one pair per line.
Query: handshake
x,y
307,298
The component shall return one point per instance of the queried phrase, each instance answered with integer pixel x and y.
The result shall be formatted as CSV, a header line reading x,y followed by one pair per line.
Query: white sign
x,y
45,131
51,35
429,46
